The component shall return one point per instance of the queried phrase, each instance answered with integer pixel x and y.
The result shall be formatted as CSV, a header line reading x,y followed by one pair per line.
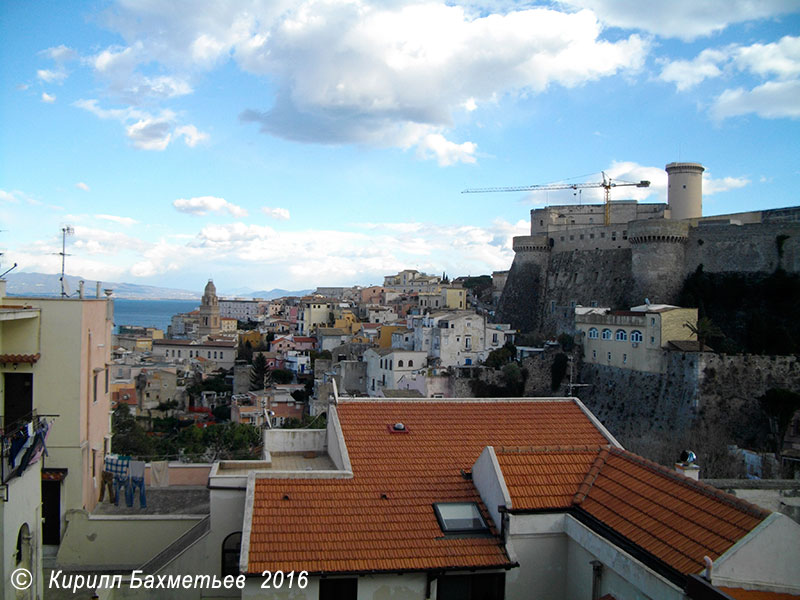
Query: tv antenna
x,y
12,268
65,231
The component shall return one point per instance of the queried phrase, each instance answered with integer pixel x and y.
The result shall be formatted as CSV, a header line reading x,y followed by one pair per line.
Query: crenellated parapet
x,y
531,243
659,231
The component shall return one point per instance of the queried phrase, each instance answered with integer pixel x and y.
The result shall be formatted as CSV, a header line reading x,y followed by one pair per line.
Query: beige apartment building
x,y
632,339
55,358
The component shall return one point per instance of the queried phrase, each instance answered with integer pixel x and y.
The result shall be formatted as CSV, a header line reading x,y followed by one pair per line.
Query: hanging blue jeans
x,y
130,490
120,481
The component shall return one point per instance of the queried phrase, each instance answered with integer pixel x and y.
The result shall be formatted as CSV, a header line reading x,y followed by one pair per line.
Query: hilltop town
x,y
597,417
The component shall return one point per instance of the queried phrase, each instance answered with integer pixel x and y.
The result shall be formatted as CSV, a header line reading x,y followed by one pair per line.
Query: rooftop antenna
x,y
65,231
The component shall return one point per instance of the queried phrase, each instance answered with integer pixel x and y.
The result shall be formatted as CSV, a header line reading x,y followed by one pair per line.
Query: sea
x,y
149,313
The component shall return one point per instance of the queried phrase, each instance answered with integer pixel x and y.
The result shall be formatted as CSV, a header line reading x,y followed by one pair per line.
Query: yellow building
x,y
454,298
385,334
228,325
56,365
632,339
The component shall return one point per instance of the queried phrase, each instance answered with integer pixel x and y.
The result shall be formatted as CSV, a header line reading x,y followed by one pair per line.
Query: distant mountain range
x,y
42,284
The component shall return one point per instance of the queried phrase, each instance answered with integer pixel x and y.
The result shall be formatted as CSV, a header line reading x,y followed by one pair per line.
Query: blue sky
x,y
294,144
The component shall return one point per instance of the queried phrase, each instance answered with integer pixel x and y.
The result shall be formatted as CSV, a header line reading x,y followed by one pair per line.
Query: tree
x,y
703,330
129,437
245,352
282,376
557,370
501,356
258,372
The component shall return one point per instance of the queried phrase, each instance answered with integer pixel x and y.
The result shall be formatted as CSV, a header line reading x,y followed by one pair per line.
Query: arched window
x,y
606,334
593,333
636,335
22,556
621,335
231,548
400,363
410,363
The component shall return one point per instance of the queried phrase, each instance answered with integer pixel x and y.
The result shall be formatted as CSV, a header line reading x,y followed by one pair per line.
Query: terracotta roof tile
x,y
675,519
20,358
344,525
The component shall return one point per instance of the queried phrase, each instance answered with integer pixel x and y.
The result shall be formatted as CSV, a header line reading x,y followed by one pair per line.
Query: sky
x,y
270,144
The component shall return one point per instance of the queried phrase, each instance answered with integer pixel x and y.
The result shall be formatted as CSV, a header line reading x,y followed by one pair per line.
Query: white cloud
x,y
203,205
49,76
686,74
127,221
446,152
146,131
279,214
60,53
82,186
150,134
713,186
8,197
47,98
15,196
684,19
781,59
771,100
191,135
380,74
116,59
366,255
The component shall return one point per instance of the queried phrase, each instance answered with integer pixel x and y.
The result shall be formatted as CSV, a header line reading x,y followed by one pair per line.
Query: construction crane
x,y
606,184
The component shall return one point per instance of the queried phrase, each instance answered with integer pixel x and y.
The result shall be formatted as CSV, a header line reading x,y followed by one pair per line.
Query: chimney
x,y
97,295
81,283
687,465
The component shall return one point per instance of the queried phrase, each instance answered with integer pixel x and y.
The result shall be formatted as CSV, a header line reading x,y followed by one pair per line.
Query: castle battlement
x,y
531,243
661,230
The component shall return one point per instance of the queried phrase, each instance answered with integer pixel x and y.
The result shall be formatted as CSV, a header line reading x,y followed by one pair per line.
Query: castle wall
x,y
522,297
749,248
649,259
585,277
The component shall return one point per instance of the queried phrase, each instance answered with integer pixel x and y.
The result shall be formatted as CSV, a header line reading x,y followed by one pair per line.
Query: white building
x,y
241,309
222,353
385,366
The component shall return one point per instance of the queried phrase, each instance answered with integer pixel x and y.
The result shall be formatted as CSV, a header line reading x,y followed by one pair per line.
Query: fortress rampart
x,y
570,261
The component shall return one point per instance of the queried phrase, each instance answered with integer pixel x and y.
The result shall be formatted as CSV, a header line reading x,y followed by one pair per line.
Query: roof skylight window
x,y
460,517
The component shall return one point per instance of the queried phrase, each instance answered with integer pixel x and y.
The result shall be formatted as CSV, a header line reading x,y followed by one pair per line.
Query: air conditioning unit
x,y
635,344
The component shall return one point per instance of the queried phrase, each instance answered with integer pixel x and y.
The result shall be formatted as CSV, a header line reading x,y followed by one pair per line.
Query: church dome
x,y
210,289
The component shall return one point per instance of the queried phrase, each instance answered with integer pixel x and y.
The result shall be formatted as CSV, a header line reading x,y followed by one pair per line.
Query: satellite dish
x,y
65,291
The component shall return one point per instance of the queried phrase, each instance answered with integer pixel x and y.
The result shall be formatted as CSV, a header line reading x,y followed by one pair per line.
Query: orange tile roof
x,y
346,525
20,358
741,594
671,517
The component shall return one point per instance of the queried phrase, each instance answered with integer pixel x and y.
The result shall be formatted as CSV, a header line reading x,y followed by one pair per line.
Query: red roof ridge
x,y
698,486
556,448
591,475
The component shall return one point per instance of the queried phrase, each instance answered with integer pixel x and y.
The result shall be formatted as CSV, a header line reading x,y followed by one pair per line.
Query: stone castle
x,y
573,257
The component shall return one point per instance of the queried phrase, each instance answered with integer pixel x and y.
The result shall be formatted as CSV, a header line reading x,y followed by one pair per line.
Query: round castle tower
x,y
658,252
685,190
